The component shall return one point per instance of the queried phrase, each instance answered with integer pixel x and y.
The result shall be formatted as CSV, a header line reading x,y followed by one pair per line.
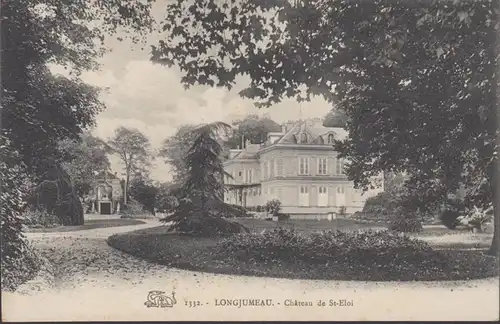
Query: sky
x,y
151,98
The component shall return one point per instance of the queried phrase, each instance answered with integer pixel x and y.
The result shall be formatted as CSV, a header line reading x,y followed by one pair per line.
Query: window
x,y
304,190
239,174
265,170
279,167
330,138
322,190
339,167
341,190
303,165
248,176
322,166
279,194
303,138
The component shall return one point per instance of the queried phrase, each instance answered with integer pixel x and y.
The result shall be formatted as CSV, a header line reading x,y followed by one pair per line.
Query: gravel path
x,y
95,282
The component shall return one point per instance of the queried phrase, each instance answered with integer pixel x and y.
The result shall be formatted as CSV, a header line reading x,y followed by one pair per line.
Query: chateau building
x,y
299,167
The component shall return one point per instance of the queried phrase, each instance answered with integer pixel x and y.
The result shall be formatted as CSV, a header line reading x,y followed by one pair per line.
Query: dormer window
x,y
330,139
303,138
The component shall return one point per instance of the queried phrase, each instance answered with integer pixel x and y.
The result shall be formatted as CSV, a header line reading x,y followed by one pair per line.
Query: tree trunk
x,y
494,248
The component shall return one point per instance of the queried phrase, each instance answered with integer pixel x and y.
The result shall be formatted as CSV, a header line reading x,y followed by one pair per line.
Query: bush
x,y
283,217
18,261
210,222
273,207
381,207
36,218
132,208
475,218
235,211
450,218
406,225
382,253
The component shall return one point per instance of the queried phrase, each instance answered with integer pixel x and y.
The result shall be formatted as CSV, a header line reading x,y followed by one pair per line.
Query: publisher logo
x,y
158,298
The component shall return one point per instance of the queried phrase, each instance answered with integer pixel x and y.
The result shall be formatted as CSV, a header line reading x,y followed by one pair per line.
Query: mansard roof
x,y
314,130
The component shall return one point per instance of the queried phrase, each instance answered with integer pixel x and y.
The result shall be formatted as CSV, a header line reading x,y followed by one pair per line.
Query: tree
x,y
133,148
251,128
38,108
201,208
416,80
175,148
165,199
144,192
83,159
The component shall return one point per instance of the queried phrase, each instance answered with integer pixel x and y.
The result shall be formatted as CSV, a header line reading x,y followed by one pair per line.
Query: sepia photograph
x,y
250,160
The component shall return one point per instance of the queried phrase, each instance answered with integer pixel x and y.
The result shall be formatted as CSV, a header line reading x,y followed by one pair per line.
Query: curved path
x,y
96,282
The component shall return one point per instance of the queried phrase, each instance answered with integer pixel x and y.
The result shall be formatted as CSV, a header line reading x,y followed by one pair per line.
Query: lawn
x,y
258,225
89,224
203,254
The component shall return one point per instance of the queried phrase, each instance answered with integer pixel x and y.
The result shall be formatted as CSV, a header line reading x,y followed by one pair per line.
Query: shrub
x,y
283,217
273,206
40,218
381,253
476,218
381,206
235,211
18,261
132,208
406,222
342,211
450,218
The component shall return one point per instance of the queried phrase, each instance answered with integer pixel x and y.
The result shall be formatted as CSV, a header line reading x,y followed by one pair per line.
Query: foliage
x,y
165,200
209,255
476,218
335,118
83,159
19,263
56,194
342,211
38,107
450,218
415,79
382,206
407,222
34,218
175,148
273,206
252,128
201,209
132,208
393,255
134,150
145,193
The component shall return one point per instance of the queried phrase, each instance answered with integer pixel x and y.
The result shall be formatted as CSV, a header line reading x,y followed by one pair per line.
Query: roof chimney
x,y
283,128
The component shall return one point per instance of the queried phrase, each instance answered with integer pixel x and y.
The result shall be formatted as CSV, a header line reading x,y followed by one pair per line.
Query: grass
x,y
258,225
89,224
198,254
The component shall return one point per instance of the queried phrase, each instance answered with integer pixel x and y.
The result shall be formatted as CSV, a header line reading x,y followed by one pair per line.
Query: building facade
x,y
107,193
299,167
